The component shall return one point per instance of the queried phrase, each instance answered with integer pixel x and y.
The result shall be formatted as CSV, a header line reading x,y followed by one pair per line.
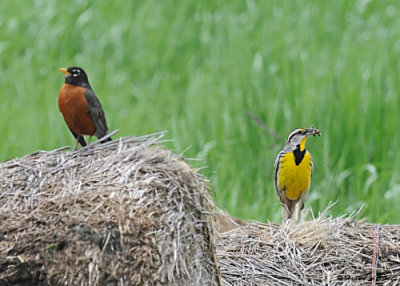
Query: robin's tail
x,y
82,141
107,136
106,140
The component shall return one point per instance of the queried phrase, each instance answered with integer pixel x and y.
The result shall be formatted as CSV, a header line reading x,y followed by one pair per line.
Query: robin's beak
x,y
65,71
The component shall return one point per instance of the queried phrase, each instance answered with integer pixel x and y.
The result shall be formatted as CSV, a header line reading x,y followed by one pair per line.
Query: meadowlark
x,y
293,171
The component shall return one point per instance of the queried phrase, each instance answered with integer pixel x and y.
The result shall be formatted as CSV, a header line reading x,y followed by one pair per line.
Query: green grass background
x,y
193,68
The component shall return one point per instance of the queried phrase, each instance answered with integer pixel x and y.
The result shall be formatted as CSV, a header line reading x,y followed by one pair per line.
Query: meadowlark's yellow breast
x,y
295,179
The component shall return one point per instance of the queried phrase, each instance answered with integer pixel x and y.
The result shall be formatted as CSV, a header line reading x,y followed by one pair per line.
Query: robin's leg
x,y
77,142
90,138
80,139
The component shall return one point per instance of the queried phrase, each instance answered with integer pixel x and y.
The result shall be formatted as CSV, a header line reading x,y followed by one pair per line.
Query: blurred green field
x,y
195,67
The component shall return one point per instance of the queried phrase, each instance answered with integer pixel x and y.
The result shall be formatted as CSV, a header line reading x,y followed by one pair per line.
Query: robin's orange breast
x,y
73,106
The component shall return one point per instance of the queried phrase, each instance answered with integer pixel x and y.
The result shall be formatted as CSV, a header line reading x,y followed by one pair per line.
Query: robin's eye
x,y
76,72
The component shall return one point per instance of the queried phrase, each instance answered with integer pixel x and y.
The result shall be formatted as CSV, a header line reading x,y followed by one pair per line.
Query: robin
x,y
80,107
293,171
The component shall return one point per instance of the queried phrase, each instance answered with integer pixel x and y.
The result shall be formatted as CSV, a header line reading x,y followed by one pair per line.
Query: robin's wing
x,y
96,113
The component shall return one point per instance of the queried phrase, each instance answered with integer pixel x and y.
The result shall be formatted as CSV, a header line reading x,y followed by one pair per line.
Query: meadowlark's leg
x,y
303,216
303,213
285,212
291,207
296,212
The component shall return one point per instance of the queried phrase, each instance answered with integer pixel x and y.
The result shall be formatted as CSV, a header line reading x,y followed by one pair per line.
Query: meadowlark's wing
x,y
276,170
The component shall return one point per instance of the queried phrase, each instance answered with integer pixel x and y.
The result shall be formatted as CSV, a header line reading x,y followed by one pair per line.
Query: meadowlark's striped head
x,y
298,137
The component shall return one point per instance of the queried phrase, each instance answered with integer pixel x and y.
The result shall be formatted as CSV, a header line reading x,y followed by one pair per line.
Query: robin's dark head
x,y
75,76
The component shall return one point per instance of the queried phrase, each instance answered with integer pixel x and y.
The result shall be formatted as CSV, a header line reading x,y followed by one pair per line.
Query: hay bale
x,y
323,251
224,222
121,213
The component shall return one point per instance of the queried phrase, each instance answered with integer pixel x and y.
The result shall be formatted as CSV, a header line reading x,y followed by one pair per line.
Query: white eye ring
x,y
76,72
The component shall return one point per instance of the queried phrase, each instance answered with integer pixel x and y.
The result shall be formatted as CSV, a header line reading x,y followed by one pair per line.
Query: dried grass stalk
x,y
121,213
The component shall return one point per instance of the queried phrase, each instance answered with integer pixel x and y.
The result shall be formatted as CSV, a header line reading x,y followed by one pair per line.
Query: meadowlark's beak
x,y
308,131
65,71
312,131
